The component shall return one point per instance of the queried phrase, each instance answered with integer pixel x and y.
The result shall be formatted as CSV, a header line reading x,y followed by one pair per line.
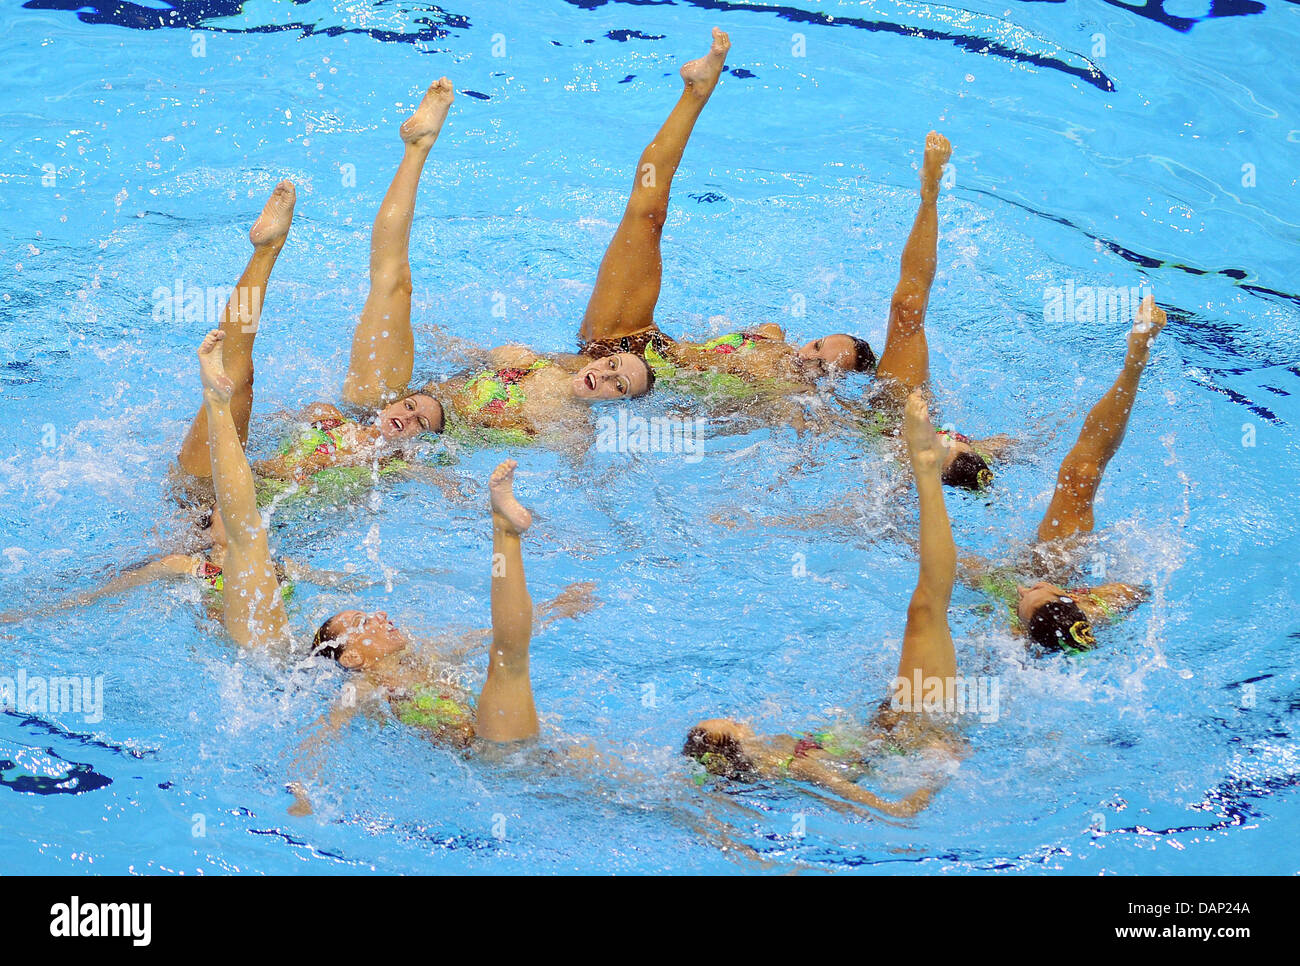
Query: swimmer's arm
x,y
302,573
996,447
1112,599
309,759
972,568
512,357
575,600
171,566
570,361
319,412
812,771
770,330
454,489
287,468
470,353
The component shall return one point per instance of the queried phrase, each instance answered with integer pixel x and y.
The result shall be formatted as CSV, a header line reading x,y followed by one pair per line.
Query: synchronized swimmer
x,y
517,396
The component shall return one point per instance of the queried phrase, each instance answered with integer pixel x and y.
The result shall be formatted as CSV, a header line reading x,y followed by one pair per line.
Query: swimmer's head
x,y
964,467
719,745
411,416
621,375
357,639
1052,618
839,351
212,526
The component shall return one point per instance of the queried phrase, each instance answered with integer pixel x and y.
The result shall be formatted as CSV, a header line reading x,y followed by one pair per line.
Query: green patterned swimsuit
x,y
492,394
438,709
712,382
334,483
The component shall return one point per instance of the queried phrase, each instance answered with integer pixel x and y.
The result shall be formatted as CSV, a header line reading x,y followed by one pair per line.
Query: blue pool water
x,y
1100,144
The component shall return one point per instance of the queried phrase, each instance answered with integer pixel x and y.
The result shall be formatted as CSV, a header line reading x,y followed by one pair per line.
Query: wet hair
x,y
722,757
1061,625
442,415
323,643
649,374
205,518
865,359
968,470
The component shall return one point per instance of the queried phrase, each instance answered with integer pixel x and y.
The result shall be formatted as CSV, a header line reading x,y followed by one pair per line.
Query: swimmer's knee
x,y
394,281
649,211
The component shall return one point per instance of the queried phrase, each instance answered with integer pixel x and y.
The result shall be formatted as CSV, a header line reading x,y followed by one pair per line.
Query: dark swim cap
x,y
968,470
1060,625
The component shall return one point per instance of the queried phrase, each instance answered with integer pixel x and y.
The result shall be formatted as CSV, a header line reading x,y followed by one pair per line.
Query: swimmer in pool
x,y
253,608
526,394
202,567
240,321
522,394
1055,618
830,761
619,320
383,344
388,669
904,365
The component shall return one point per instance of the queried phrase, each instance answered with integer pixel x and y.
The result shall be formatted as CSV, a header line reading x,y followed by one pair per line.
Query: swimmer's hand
x,y
301,803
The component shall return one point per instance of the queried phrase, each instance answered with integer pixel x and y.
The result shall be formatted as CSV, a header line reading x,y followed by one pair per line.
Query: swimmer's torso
x,y
327,441
419,699
524,399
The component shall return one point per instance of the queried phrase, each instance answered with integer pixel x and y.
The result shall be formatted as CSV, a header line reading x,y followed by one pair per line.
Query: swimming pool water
x,y
1094,144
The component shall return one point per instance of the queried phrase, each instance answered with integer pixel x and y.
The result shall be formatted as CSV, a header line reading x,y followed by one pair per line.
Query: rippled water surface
x,y
1095,143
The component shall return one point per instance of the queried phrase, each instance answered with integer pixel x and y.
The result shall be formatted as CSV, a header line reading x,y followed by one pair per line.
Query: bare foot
x,y
1147,323
507,510
212,371
922,441
937,152
701,76
272,224
421,128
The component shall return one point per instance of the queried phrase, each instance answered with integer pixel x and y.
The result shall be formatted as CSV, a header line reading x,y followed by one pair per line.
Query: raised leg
x,y
1071,509
627,285
239,322
254,610
383,345
505,708
927,639
905,363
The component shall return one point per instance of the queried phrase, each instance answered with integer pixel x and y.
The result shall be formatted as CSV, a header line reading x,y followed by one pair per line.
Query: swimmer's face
x,y
1035,596
830,351
364,638
620,376
410,417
